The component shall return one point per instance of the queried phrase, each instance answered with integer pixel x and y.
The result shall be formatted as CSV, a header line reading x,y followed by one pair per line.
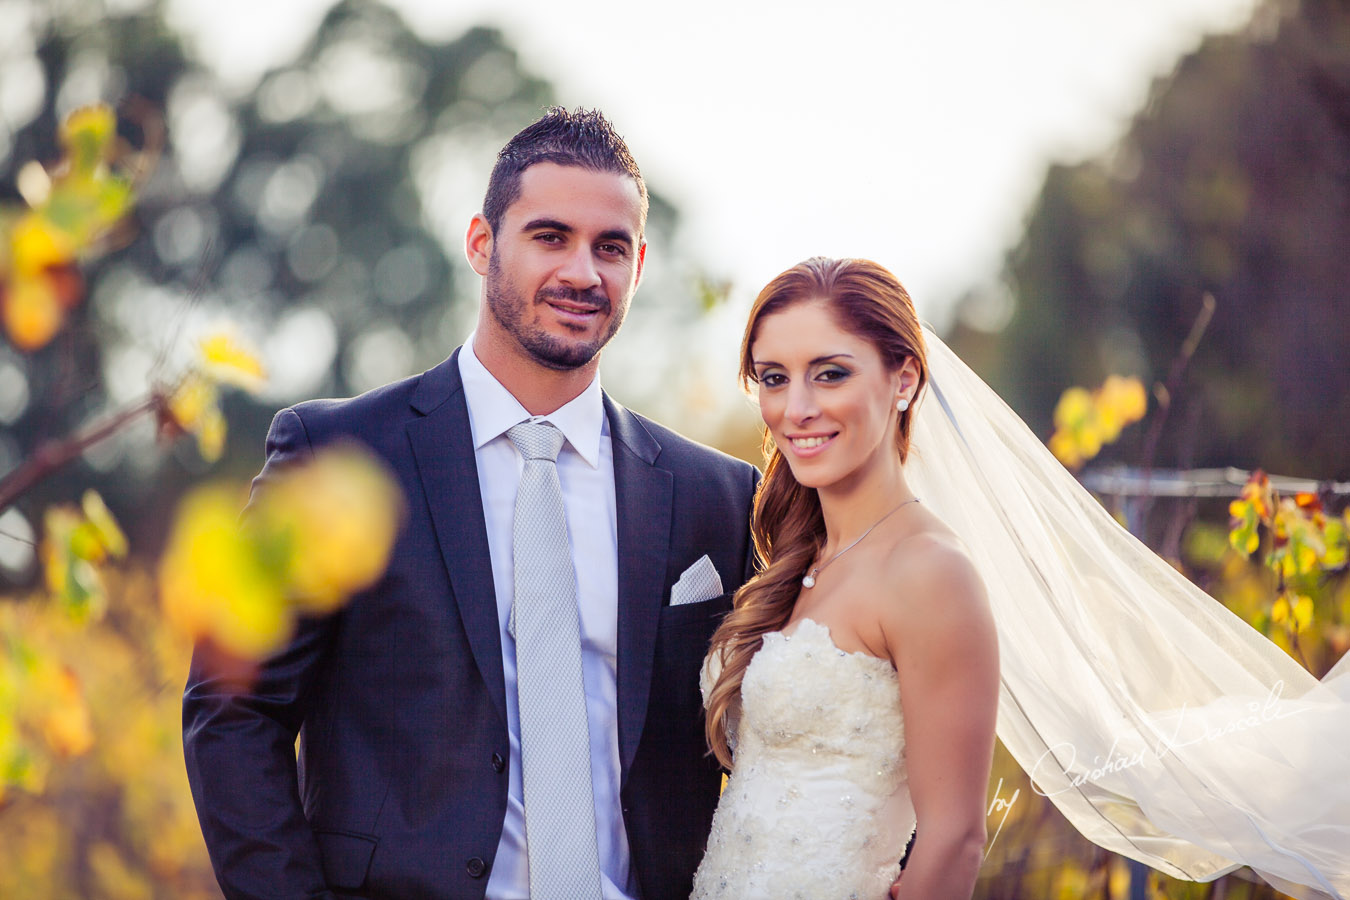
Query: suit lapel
x,y
643,495
442,443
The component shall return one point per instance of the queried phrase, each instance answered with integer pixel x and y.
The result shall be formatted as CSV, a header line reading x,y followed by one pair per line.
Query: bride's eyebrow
x,y
760,363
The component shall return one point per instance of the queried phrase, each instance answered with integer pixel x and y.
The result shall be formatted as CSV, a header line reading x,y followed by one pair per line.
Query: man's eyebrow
x,y
546,225
617,234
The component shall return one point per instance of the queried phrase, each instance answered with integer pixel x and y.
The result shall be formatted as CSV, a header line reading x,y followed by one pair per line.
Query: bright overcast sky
x,y
915,133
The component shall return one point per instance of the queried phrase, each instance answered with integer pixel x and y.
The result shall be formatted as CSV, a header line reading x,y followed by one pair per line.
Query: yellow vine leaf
x,y
1066,449
1303,613
1119,402
1300,559
1252,509
318,532
1298,541
32,312
65,724
74,207
194,406
109,534
36,244
1126,397
1337,544
71,553
190,400
212,583
1073,409
339,515
227,361
1297,615
1086,421
87,197
1244,534
87,135
211,434
1259,493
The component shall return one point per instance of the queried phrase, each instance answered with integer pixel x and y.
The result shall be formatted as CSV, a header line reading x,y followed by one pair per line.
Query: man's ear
x,y
478,243
641,259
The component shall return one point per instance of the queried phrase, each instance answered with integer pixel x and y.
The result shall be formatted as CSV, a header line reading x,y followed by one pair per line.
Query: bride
x,y
912,595
856,681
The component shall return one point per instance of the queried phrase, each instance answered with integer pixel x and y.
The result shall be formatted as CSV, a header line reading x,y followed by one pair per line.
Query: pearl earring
x,y
902,404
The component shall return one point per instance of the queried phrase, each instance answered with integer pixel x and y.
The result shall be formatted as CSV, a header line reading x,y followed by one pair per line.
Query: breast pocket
x,y
704,614
681,643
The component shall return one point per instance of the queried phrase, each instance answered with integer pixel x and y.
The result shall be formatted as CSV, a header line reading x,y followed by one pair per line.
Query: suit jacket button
x,y
498,764
475,867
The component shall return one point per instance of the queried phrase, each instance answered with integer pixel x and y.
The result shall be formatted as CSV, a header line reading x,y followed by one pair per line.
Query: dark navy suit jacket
x,y
399,790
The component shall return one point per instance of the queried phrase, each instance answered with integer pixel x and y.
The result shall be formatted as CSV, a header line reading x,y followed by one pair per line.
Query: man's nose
x,y
578,270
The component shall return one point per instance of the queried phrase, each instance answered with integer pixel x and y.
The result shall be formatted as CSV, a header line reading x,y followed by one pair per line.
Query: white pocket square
x,y
698,583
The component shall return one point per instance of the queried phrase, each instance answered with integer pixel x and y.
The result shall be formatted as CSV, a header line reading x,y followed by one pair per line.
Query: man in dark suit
x,y
411,781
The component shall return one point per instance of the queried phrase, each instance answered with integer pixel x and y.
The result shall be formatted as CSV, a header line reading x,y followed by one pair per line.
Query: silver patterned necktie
x,y
555,748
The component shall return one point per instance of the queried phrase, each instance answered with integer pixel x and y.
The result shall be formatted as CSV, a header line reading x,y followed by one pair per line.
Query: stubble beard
x,y
549,350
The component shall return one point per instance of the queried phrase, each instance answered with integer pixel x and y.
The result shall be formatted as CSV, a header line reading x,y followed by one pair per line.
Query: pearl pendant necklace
x,y
810,580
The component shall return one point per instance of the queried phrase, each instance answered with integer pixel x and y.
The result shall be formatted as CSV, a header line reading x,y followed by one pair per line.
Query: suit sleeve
x,y
240,745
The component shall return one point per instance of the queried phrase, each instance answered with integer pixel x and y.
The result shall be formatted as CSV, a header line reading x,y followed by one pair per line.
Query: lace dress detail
x,y
817,806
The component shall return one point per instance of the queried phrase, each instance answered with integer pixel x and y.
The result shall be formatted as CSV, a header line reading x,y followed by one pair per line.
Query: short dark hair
x,y
581,137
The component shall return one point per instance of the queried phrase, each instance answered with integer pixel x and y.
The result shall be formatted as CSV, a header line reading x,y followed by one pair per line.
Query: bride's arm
x,y
943,643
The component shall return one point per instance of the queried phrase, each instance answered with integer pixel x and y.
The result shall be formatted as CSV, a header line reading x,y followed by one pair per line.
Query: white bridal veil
x,y
1163,726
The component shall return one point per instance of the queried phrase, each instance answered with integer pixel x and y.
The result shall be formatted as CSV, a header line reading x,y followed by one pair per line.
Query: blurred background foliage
x,y
314,210
1233,180
318,209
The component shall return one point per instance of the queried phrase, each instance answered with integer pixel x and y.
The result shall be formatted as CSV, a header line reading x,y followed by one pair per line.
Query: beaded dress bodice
x,y
817,805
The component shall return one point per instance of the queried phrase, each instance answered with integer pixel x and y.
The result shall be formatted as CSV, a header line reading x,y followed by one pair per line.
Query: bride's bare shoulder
x,y
930,583
929,550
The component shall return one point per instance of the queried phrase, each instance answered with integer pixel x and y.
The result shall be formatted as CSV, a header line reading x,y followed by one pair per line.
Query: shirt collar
x,y
493,409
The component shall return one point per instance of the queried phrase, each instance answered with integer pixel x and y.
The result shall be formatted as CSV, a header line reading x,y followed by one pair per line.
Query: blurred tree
x,y
1235,179
316,210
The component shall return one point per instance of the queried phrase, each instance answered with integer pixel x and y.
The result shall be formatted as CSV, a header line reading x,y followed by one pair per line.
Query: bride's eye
x,y
772,379
833,374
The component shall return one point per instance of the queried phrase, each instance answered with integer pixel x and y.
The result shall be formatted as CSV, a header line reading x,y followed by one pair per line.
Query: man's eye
x,y
613,249
548,238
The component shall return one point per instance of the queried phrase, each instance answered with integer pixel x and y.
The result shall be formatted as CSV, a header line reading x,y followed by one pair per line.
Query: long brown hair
x,y
788,527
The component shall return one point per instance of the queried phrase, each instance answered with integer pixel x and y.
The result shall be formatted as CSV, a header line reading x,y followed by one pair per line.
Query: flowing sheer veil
x,y
1164,727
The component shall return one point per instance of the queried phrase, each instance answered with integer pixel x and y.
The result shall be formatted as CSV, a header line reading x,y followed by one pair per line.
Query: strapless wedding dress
x,y
817,806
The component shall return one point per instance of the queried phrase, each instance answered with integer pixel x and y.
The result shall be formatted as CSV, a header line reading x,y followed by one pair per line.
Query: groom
x,y
513,710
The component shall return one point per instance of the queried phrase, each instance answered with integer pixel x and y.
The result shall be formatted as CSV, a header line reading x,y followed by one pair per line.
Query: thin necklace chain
x,y
810,580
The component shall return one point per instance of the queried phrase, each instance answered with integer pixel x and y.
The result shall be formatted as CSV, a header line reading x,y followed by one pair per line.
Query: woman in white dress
x,y
911,595
854,688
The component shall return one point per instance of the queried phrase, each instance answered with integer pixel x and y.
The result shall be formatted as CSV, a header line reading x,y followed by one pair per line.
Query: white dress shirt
x,y
586,473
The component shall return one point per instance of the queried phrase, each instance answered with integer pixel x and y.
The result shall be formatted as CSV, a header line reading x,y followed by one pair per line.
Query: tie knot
x,y
536,440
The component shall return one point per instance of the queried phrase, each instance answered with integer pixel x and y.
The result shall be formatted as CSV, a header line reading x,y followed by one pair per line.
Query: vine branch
x,y
53,455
